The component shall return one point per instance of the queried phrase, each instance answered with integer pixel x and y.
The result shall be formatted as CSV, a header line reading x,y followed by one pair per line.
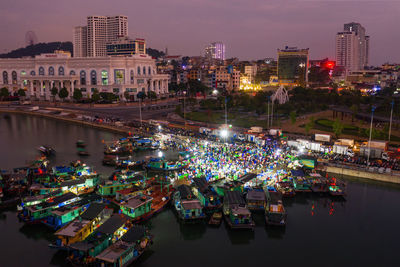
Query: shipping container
x,y
345,142
322,137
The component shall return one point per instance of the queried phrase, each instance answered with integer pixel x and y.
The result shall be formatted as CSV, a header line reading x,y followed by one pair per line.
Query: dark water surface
x,y
364,230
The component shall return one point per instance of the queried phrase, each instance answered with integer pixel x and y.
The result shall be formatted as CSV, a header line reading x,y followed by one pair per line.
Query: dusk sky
x,y
251,29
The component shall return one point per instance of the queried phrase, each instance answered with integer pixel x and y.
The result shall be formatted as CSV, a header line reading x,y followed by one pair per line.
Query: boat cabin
x,y
255,199
42,210
61,216
108,233
124,194
187,205
84,225
127,249
137,206
235,210
206,194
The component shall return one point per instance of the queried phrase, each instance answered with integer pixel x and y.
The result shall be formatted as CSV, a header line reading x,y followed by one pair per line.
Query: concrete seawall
x,y
363,174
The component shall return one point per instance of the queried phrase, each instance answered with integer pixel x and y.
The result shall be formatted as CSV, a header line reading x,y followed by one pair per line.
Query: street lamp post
x,y
226,112
370,134
391,117
140,111
184,107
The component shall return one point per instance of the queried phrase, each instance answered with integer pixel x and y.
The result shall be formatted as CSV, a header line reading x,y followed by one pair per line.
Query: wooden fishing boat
x,y
47,150
186,205
275,213
209,198
216,219
318,183
286,188
301,185
337,187
255,199
236,213
156,164
80,143
82,152
126,250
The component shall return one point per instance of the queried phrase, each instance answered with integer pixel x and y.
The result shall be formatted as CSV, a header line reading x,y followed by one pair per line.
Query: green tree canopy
x,y
54,91
141,95
63,93
77,95
95,96
338,127
293,117
21,92
4,92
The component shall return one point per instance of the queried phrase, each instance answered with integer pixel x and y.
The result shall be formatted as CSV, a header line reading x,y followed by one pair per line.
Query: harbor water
x,y
362,230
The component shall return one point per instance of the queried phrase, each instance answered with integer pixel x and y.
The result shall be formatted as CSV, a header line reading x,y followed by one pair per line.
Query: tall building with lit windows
x,y
91,40
352,47
215,50
293,66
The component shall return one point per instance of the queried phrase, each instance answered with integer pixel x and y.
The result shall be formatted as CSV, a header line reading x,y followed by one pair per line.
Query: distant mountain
x,y
37,49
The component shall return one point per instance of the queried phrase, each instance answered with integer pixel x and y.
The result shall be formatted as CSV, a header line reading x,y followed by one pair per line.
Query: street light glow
x,y
224,133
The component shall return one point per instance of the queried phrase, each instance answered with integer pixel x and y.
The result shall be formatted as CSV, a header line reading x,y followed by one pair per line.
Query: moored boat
x,y
236,213
47,150
215,219
275,213
126,250
337,187
286,188
187,206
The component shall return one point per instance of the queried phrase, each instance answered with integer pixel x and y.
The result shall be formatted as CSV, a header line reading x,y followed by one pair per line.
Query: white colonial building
x,y
116,74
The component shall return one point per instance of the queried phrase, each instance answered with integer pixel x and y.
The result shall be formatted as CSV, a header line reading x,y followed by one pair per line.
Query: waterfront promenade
x,y
82,117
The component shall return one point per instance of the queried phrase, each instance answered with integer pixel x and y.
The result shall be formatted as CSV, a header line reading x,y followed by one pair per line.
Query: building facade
x,y
292,66
79,41
215,50
352,47
132,74
250,71
100,30
124,46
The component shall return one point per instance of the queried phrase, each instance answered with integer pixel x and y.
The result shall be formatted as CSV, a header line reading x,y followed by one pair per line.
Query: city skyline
x,y
250,29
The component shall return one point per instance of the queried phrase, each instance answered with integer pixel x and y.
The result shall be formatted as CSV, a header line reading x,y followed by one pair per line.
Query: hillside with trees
x,y
41,48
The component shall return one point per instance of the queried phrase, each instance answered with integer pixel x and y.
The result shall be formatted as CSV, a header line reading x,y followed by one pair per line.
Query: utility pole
x,y
140,111
226,112
391,117
370,134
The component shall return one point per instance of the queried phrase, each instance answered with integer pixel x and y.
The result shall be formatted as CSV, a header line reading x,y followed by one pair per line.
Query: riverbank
x,y
125,130
381,177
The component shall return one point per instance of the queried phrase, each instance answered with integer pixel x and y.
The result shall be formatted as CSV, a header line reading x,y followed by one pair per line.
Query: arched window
x,y
51,71
41,71
14,77
33,73
83,77
93,78
72,72
138,70
132,77
61,71
104,77
5,77
144,70
149,72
